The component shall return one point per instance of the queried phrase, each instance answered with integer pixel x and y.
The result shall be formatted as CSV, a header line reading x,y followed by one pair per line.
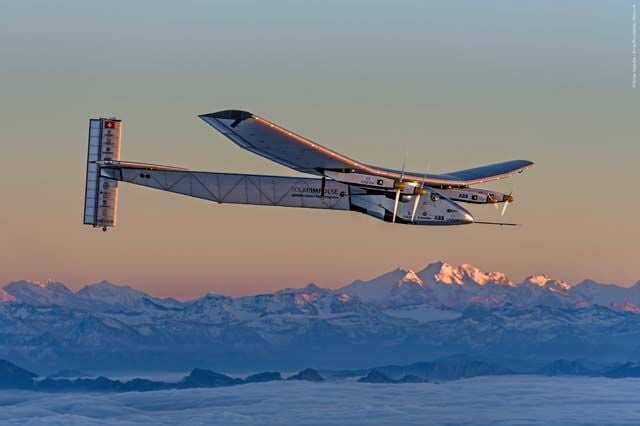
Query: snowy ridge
x,y
99,296
438,285
458,287
402,315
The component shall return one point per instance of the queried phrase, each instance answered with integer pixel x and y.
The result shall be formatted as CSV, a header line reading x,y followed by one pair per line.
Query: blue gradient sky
x,y
455,84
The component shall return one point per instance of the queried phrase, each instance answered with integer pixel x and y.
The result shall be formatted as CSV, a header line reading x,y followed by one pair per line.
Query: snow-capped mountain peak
x,y
99,296
500,278
439,284
448,274
37,293
444,273
474,273
49,285
411,277
108,292
544,281
115,295
539,280
378,289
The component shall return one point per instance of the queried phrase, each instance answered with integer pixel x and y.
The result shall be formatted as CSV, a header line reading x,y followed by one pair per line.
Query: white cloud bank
x,y
513,400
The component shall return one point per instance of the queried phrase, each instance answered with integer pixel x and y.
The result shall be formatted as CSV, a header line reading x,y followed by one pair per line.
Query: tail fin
x,y
101,193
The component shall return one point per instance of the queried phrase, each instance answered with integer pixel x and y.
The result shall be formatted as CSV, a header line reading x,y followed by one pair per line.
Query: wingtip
x,y
228,114
524,165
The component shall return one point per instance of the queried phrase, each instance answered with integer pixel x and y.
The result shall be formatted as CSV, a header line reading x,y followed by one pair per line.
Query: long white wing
x,y
285,147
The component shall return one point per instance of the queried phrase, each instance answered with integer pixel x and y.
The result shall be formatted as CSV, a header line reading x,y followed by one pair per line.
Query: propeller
x,y
419,191
399,187
507,199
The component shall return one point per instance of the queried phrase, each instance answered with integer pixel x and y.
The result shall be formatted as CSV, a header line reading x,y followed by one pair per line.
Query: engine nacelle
x,y
371,181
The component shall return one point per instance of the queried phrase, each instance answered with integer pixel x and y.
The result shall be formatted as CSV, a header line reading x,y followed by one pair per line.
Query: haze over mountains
x,y
400,316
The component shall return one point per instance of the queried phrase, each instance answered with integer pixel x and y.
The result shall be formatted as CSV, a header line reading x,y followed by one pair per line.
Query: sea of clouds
x,y
508,400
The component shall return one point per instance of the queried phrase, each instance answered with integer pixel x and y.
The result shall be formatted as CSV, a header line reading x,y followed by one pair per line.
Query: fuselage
x,y
433,209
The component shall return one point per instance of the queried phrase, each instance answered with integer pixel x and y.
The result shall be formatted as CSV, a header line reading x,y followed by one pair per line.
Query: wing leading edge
x,y
276,143
282,146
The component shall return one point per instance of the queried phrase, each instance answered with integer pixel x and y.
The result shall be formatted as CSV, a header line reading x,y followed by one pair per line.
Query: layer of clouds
x,y
512,400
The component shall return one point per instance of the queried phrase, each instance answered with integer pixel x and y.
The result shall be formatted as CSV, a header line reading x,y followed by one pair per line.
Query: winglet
x,y
223,120
228,114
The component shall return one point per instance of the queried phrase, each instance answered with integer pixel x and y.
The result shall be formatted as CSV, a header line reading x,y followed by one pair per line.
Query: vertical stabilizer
x,y
101,193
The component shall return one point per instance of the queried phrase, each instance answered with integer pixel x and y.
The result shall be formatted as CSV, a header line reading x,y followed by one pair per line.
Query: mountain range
x,y
400,316
14,377
443,369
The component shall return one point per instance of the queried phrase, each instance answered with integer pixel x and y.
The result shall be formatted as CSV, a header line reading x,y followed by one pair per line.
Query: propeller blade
x,y
508,199
399,190
504,208
415,207
417,200
395,206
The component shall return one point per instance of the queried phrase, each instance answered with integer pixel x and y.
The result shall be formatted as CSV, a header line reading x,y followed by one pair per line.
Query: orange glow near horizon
x,y
529,88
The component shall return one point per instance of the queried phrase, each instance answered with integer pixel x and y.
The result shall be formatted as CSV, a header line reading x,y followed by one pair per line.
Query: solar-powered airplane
x,y
395,196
